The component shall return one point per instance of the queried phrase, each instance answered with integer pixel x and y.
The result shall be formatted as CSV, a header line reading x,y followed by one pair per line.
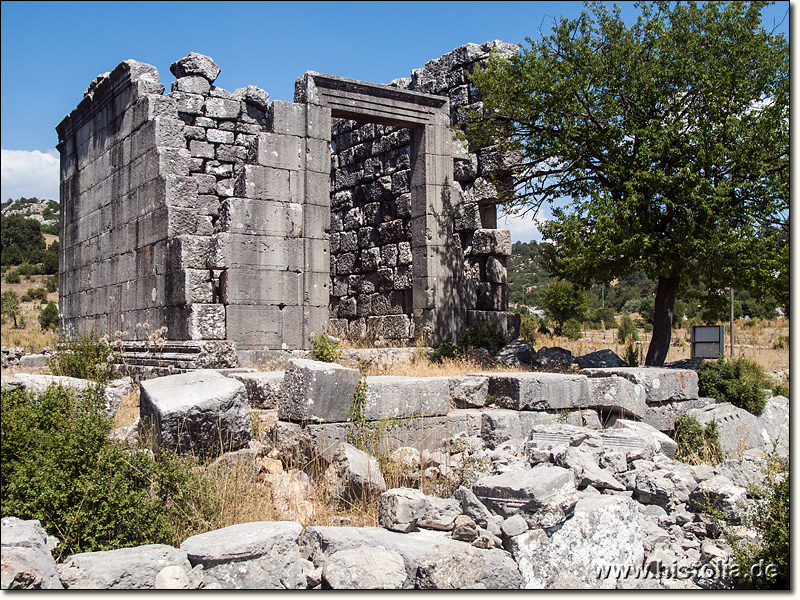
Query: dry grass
x,y
128,410
756,342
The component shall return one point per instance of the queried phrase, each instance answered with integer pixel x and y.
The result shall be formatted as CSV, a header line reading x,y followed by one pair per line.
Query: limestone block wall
x,y
119,149
229,217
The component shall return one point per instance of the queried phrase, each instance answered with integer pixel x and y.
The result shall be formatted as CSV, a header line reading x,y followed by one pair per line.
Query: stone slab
x,y
318,392
402,397
660,384
539,391
264,389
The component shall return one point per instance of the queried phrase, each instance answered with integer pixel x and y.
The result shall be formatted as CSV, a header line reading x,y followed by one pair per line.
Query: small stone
x,y
195,64
465,529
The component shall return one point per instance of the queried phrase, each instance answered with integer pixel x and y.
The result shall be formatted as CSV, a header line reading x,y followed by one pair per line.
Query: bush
x,y
48,318
86,357
13,277
563,301
697,444
483,336
627,328
37,294
740,382
528,326
445,349
90,491
769,518
572,329
51,283
324,348
543,328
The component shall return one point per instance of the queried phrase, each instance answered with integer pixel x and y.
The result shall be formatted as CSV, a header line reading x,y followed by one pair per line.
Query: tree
x,y
671,138
21,240
48,318
563,301
10,306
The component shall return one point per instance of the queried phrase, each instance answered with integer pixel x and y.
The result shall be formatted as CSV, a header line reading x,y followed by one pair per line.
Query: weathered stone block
x,y
263,555
264,389
201,413
123,569
222,108
318,392
539,391
393,396
617,394
660,384
278,151
491,241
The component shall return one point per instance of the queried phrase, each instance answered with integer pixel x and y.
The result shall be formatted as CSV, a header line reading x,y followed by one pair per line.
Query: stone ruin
x,y
245,225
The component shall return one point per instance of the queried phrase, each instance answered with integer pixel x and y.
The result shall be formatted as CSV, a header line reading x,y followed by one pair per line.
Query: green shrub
x,y
37,293
528,326
740,381
51,283
324,348
781,343
769,518
633,353
780,390
60,466
86,357
697,444
445,349
572,329
483,336
13,277
48,318
627,328
543,328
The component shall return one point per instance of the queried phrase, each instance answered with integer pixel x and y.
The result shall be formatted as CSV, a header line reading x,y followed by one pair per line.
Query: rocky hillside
x,y
41,210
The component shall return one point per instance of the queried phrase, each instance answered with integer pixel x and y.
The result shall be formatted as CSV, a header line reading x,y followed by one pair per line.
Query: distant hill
x,y
39,209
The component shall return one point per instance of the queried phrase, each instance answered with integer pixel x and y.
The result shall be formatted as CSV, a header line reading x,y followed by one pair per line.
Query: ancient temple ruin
x,y
248,224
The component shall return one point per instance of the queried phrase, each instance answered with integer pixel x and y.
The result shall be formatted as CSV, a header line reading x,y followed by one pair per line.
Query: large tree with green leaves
x,y
669,137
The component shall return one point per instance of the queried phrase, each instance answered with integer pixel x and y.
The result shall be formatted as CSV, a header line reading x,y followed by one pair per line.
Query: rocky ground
x,y
568,480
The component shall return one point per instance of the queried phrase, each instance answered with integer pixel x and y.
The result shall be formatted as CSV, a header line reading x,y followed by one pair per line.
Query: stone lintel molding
x,y
438,283
372,102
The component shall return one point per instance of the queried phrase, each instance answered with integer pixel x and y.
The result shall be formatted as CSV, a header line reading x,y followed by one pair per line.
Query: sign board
x,y
708,341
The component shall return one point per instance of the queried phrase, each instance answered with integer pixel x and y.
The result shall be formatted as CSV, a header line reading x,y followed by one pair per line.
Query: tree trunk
x,y
666,293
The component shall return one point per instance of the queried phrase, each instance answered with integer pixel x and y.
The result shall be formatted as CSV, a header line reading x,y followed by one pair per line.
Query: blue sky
x,y
52,50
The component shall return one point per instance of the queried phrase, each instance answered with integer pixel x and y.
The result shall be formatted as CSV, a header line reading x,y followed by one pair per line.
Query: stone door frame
x,y
438,298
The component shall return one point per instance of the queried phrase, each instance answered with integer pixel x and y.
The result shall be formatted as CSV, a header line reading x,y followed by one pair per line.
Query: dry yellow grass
x,y
756,342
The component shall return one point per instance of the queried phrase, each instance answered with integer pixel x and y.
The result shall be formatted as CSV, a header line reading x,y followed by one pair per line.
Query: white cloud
x,y
524,227
27,174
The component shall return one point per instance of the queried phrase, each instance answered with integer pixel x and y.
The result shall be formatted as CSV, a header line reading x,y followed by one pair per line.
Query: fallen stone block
x,y
33,361
318,543
364,569
400,508
123,569
544,495
37,384
464,529
663,416
664,443
355,474
260,555
774,425
174,577
469,391
471,506
738,429
450,566
264,389
746,473
719,494
600,359
500,571
603,533
516,353
553,359
539,391
401,397
466,421
617,394
660,384
26,559
201,413
439,513
587,471
318,392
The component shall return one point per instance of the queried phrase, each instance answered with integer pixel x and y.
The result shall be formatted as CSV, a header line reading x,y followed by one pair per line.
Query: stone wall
x,y
230,218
